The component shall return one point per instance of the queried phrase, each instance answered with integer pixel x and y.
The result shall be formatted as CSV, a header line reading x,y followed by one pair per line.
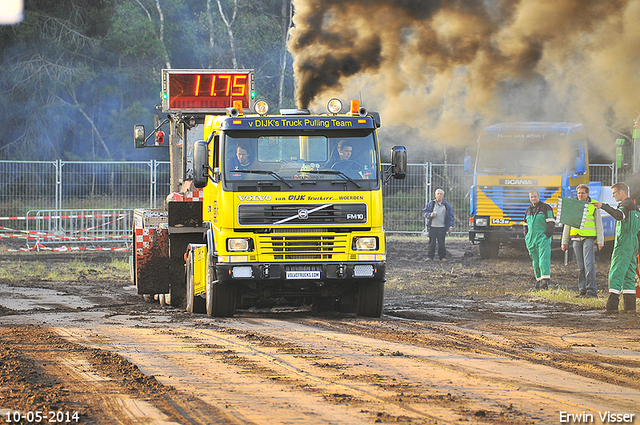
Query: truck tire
x,y
489,249
370,299
220,297
194,304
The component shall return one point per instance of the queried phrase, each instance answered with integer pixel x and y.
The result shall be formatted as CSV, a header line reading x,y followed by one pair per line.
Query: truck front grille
x,y
511,202
297,247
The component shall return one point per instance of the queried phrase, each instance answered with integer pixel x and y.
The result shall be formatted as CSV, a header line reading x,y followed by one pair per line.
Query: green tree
x,y
77,74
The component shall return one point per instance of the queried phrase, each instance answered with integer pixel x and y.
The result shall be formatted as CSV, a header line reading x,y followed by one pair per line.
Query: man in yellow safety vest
x,y
584,244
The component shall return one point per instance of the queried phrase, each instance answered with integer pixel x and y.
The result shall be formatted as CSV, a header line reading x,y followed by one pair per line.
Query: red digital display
x,y
206,91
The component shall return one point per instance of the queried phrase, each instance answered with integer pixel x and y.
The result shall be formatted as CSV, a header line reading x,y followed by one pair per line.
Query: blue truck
x,y
512,158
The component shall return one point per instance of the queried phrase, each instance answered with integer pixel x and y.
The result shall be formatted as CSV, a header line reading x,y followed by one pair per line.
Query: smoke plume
x,y
446,68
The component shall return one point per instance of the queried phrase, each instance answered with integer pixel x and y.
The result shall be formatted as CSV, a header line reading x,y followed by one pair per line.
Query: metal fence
x,y
30,190
405,199
83,226
68,202
34,185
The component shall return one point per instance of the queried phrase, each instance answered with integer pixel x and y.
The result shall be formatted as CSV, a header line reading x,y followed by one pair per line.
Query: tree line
x,y
76,75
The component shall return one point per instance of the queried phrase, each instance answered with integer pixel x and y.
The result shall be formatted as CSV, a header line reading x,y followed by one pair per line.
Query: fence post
x,y
429,179
427,187
152,184
58,202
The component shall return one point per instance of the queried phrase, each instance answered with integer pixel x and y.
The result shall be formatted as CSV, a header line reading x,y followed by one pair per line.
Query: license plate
x,y
299,274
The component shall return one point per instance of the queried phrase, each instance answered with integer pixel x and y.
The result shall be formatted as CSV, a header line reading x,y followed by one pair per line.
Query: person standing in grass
x,y
584,243
625,249
538,230
439,215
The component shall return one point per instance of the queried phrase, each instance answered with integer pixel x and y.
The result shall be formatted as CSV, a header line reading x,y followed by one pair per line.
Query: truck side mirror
x,y
139,136
468,165
581,164
622,151
469,154
399,162
200,164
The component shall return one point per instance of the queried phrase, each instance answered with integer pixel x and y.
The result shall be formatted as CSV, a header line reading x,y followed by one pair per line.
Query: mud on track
x,y
459,341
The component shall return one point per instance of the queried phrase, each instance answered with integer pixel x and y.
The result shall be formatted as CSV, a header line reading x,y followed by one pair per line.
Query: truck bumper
x,y
503,235
300,279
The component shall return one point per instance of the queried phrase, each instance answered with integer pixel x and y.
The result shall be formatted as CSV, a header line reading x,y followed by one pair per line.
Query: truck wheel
x,y
489,250
370,299
194,304
221,297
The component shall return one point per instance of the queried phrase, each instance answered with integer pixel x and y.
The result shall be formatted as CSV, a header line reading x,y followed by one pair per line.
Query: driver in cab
x,y
343,161
344,150
242,160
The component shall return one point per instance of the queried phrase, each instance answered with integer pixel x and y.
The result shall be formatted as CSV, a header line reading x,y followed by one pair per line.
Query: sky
x,y
440,71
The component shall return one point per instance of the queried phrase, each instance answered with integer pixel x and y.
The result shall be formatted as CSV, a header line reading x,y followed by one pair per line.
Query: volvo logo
x,y
303,214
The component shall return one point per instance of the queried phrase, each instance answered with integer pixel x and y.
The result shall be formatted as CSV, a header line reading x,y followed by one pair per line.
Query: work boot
x,y
629,302
544,284
612,303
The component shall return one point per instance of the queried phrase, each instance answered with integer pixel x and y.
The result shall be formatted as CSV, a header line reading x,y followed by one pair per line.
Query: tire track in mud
x,y
239,374
468,338
98,386
318,371
546,347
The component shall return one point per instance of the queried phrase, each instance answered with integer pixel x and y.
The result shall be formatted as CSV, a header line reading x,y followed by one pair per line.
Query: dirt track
x,y
459,341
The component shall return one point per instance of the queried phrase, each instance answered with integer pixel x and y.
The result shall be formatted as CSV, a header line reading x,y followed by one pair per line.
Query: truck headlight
x,y
365,243
482,221
238,245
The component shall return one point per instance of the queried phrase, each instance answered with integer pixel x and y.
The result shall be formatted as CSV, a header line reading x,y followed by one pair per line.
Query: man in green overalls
x,y
625,249
538,229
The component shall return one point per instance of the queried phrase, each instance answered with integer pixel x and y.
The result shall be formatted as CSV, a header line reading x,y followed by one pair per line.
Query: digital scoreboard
x,y
205,90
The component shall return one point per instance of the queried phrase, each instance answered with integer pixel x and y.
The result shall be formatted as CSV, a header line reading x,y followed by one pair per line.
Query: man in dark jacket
x,y
439,215
538,230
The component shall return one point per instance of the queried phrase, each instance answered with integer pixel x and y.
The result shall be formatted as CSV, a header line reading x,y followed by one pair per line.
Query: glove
x,y
548,233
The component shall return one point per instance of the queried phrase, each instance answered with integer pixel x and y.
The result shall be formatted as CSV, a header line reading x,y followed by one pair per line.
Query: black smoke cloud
x,y
446,68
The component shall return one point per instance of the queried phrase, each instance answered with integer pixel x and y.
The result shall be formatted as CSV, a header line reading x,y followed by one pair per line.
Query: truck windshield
x,y
523,153
347,155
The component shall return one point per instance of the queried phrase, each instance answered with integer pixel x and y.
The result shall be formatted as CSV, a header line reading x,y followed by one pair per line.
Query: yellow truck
x,y
290,210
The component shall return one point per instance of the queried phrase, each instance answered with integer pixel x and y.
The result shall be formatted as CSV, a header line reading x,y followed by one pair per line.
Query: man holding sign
x,y
584,239
623,260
